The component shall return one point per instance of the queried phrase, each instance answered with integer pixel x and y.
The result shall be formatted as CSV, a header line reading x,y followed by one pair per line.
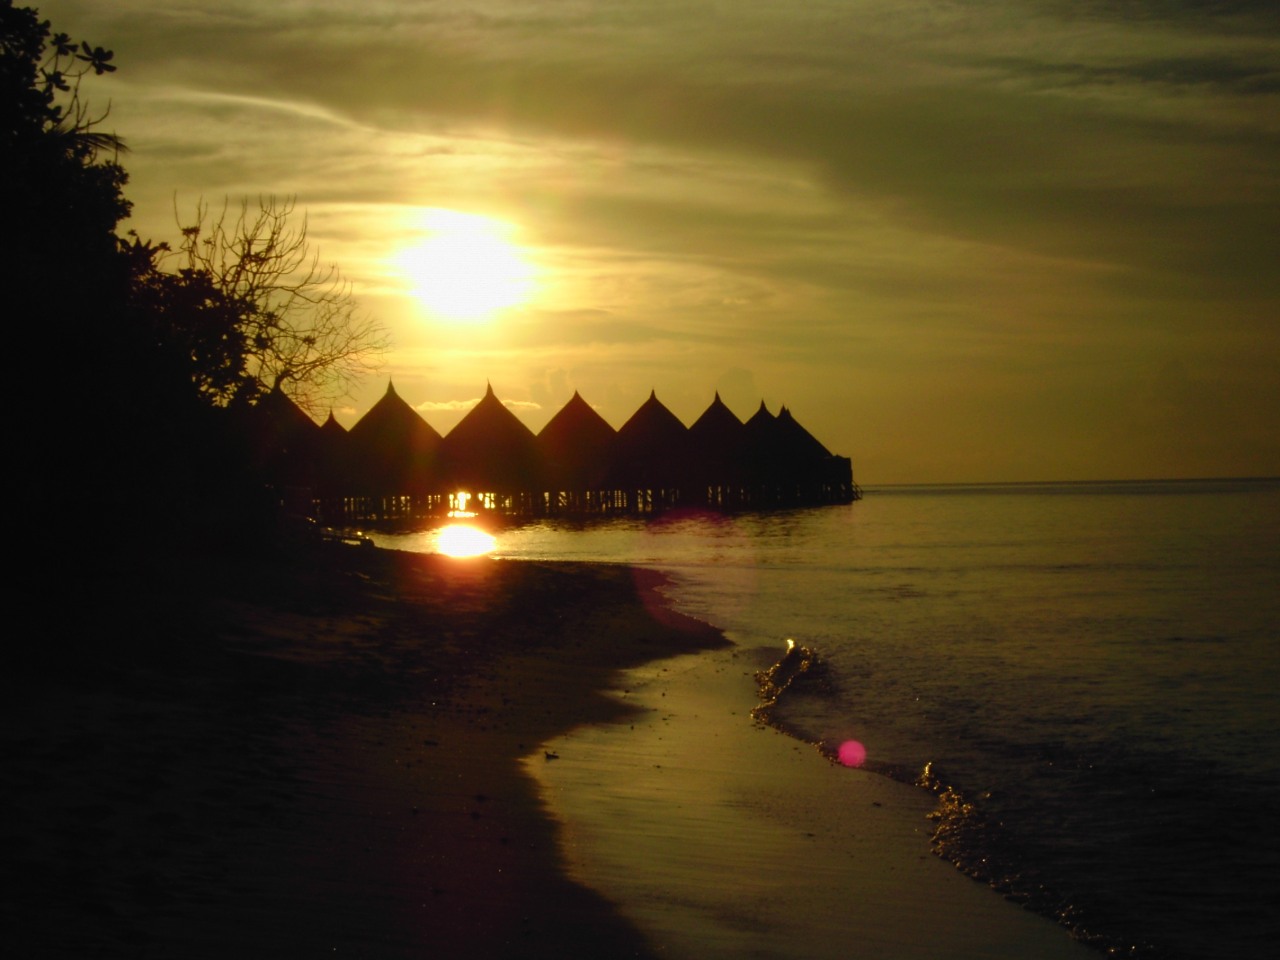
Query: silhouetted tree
x,y
193,327
252,275
122,366
64,281
60,185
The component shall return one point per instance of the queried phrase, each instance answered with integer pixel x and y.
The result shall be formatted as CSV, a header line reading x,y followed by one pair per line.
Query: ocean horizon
x,y
1086,670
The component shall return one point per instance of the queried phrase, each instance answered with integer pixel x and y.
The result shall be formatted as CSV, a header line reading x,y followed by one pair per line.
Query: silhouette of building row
x,y
392,465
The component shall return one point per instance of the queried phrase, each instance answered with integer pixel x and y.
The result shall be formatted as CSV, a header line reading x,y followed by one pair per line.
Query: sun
x,y
466,268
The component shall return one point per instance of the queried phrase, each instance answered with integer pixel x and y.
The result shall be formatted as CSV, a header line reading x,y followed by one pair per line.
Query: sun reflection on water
x,y
460,540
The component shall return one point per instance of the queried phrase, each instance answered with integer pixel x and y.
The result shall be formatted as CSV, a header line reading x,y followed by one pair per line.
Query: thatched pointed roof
x,y
718,430
760,426
778,448
762,447
333,456
717,439
331,426
653,427
391,415
393,450
799,443
490,449
575,445
762,413
716,419
283,440
652,446
278,414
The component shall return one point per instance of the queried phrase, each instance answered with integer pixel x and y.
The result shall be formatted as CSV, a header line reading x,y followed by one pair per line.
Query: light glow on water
x,y
460,540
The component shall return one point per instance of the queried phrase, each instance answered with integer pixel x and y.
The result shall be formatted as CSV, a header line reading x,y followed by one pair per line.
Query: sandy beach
x,y
346,753
739,841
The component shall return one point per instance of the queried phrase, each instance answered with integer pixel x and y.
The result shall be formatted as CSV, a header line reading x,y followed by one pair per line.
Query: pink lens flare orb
x,y
852,753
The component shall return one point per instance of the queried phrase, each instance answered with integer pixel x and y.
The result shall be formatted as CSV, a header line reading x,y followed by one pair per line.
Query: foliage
x,y
54,176
126,363
253,274
97,421
34,76
249,307
188,324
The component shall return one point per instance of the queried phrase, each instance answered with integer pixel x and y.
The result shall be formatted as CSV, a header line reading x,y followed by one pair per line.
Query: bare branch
x,y
298,317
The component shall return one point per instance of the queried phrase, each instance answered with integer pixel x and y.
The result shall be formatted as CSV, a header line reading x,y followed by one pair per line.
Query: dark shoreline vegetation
x,y
138,358
315,752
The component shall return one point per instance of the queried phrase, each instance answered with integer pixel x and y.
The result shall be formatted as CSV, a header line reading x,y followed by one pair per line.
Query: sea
x,y
1085,675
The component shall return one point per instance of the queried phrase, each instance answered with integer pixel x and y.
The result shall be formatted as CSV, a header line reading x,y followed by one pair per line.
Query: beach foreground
x,y
722,838
334,754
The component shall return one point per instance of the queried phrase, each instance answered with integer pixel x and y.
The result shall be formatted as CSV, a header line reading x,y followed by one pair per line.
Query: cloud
x,y
453,406
1227,16
448,406
860,205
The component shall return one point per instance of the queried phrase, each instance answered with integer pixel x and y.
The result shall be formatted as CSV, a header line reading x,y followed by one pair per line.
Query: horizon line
x,y
1268,478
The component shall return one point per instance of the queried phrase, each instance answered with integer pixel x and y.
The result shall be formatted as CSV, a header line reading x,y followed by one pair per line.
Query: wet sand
x,y
345,754
722,838
310,758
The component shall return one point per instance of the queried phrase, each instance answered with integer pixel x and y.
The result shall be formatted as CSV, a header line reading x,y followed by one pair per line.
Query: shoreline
x,y
344,752
320,756
752,843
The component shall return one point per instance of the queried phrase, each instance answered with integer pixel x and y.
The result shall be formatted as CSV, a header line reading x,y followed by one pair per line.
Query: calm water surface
x,y
1092,667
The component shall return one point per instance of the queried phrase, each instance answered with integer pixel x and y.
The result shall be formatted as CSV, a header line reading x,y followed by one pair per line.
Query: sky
x,y
993,240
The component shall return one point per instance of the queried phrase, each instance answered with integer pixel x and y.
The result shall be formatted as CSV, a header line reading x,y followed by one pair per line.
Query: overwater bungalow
x,y
492,458
394,463
649,463
575,447
393,466
718,439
